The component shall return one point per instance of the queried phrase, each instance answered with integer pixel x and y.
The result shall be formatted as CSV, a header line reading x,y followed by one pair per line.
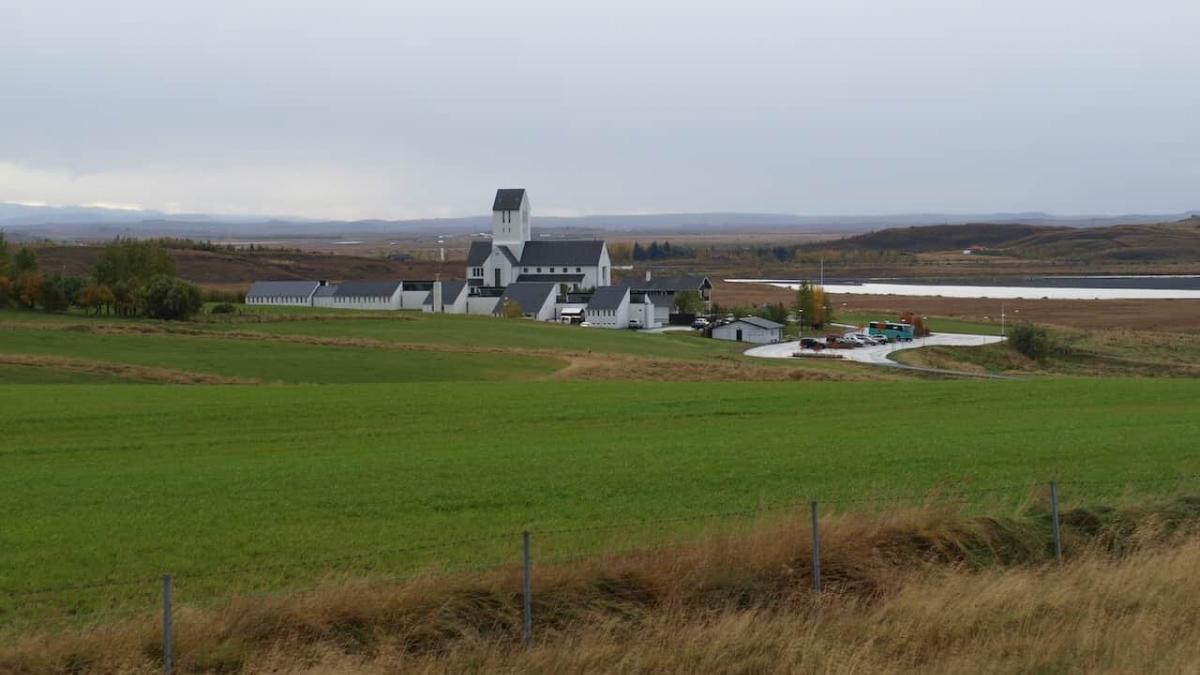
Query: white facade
x,y
511,227
743,331
482,305
643,314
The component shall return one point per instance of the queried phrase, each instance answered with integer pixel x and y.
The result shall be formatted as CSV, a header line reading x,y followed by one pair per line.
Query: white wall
x,y
516,229
750,333
288,301
643,313
480,305
613,318
412,299
392,302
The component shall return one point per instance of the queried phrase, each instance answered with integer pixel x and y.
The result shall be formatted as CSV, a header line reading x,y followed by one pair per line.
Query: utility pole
x,y
1002,333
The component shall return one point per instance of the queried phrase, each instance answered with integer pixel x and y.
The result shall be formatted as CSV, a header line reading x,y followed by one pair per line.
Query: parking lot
x,y
877,354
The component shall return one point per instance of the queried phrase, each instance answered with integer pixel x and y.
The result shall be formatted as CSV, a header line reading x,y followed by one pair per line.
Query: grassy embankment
x,y
258,486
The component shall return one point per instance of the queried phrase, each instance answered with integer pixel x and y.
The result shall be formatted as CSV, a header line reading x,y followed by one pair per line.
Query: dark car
x,y
811,343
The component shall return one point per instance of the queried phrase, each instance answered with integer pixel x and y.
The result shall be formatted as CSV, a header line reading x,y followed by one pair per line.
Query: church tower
x,y
510,220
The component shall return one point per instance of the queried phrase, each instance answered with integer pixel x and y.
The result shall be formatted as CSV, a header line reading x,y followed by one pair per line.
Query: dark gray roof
x,y
478,253
760,322
686,282
366,289
326,291
282,289
512,259
550,277
583,252
531,295
608,297
508,199
450,292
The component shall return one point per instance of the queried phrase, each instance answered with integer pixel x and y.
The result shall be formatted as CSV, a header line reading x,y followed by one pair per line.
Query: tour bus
x,y
894,332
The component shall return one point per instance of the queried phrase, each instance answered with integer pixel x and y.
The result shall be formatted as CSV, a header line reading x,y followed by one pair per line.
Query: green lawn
x,y
268,361
211,483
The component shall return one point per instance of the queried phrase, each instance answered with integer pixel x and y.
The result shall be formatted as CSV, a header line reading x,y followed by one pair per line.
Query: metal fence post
x,y
527,594
816,549
1054,521
167,638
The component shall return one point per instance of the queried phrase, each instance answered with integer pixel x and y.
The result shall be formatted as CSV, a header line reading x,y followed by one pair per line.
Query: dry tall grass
x,y
915,590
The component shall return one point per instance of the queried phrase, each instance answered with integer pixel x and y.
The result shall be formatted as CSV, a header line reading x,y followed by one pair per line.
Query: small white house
x,y
609,307
642,312
750,329
453,298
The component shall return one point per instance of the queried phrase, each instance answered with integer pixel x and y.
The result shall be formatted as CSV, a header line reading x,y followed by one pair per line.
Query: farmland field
x,y
222,484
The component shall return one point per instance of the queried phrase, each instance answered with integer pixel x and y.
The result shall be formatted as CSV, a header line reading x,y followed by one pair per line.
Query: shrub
x,y
223,308
172,299
1032,341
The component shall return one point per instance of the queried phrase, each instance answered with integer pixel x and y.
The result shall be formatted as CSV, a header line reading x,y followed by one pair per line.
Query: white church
x,y
553,280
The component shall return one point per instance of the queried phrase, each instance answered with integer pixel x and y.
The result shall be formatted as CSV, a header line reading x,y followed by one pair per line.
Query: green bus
x,y
893,331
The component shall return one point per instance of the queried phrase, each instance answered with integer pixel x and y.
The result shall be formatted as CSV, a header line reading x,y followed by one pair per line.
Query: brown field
x,y
909,590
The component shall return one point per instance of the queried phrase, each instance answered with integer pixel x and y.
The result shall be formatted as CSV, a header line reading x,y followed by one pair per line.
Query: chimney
x,y
437,296
647,275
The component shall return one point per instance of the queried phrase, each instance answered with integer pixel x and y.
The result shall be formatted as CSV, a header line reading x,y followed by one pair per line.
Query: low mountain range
x,y
22,221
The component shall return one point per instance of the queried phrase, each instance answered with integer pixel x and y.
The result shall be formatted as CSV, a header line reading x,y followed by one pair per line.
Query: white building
x,y
449,297
609,307
368,295
662,292
286,293
533,299
750,329
513,256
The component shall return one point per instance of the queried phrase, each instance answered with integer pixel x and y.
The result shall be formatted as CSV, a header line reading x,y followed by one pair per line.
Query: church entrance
x,y
497,277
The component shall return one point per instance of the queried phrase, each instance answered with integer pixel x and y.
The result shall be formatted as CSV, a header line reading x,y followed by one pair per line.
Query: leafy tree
x,y
25,262
511,309
133,262
95,296
5,291
28,289
812,305
776,312
5,257
52,296
688,302
170,298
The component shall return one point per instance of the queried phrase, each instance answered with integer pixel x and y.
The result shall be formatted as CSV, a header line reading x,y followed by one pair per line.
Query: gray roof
x,y
686,282
531,295
450,292
366,289
478,253
512,259
325,291
582,252
760,322
282,289
550,277
508,199
546,253
608,297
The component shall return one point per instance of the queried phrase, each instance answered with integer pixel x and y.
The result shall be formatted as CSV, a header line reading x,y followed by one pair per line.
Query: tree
x,y
688,302
51,296
94,296
511,309
5,258
28,289
638,252
813,305
776,312
1033,341
133,262
25,262
172,299
654,252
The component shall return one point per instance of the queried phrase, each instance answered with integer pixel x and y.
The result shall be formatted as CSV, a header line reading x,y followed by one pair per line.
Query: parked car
x,y
635,324
700,323
811,343
865,340
585,324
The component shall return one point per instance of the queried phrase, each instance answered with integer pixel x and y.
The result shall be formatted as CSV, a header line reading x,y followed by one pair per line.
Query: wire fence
x,y
122,596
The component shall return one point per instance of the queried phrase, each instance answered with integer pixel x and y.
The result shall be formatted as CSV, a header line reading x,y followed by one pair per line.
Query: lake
x,y
1131,287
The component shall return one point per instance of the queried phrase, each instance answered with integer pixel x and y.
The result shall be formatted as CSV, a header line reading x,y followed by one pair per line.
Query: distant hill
x,y
1176,241
23,221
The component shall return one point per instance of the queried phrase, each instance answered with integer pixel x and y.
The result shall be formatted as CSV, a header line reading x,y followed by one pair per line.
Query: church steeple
x,y
510,219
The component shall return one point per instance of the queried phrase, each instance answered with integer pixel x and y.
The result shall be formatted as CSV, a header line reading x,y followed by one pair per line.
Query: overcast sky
x,y
399,108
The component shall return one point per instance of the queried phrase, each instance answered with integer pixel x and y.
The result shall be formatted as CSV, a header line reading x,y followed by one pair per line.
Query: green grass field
x,y
212,483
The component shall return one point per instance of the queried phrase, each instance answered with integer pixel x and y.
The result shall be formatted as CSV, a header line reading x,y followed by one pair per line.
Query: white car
x,y
867,339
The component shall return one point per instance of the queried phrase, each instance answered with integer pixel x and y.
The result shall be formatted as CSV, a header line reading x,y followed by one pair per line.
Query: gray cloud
x,y
376,108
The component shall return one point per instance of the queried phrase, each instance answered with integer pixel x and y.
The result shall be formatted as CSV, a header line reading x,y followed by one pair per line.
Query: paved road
x,y
879,354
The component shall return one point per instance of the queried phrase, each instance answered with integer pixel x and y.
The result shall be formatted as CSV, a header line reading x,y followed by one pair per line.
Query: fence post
x,y
167,637
527,594
816,549
1054,522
